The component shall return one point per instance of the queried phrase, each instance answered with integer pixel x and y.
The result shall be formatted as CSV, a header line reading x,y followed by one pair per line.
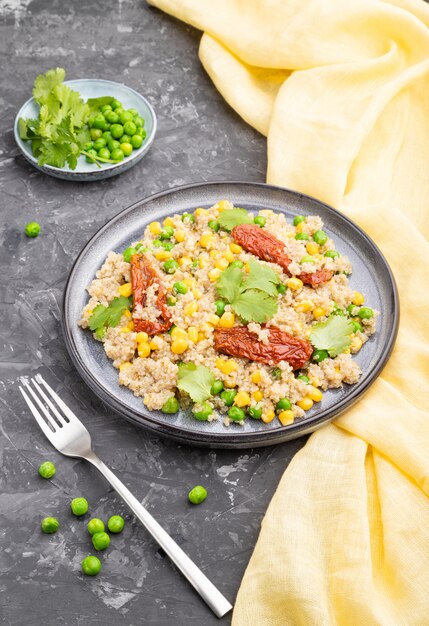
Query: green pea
x,y
304,378
320,355
100,541
276,373
95,525
107,136
194,265
116,524
180,287
138,121
203,413
87,146
365,313
95,133
128,253
99,143
167,245
337,310
216,388
188,217
130,128
112,117
126,148
331,254
171,301
170,266
157,243
104,153
32,229
357,328
49,525
260,221
350,309
91,566
197,495
142,133
236,414
105,109
125,138
136,141
99,121
47,469
298,219
117,131
220,307
125,117
320,237
140,246
308,259
115,104
302,237
117,155
255,412
91,156
214,225
167,232
79,506
281,288
119,111
283,405
228,396
113,145
237,263
170,406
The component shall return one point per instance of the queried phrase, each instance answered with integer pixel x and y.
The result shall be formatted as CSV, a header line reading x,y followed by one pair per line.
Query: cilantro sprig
x,y
332,335
196,380
104,317
252,296
234,217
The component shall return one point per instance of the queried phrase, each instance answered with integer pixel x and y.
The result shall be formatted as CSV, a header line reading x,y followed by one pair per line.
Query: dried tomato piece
x,y
240,342
143,275
268,248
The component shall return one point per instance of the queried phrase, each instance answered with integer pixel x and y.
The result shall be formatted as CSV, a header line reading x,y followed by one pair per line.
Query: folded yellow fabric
x,y
341,89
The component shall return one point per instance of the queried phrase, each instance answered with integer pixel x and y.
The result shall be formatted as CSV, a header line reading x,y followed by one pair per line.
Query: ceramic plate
x,y
371,275
93,88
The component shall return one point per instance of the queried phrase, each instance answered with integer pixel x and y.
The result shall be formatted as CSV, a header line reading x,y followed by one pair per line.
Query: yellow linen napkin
x,y
341,89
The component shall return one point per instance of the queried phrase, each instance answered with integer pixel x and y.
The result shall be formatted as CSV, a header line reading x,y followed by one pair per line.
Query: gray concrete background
x,y
199,138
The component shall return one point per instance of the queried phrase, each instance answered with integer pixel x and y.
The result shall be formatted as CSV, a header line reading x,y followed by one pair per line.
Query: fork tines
x,y
50,421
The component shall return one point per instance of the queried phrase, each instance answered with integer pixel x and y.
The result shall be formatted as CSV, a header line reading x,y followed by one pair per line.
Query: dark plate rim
x,y
234,439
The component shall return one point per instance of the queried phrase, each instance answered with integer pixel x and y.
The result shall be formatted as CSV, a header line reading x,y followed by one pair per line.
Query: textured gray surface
x,y
199,138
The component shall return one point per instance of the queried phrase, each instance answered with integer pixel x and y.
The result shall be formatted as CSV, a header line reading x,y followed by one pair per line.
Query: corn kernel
x,y
256,377
315,382
221,264
203,261
125,329
123,366
226,366
183,261
356,344
190,282
179,333
286,417
214,275
125,290
162,255
201,335
143,349
299,227
319,257
141,337
179,236
206,240
304,306
227,320
305,404
154,345
168,222
197,294
247,267
235,248
222,205
294,283
212,319
155,228
214,254
228,256
179,346
242,399
130,326
312,247
200,211
358,298
257,396
128,314
190,308
318,312
230,382
315,394
193,334
268,416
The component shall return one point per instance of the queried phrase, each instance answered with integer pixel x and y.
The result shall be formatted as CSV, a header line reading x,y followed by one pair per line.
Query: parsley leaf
x,y
332,335
229,282
233,217
108,316
261,277
196,380
44,84
254,305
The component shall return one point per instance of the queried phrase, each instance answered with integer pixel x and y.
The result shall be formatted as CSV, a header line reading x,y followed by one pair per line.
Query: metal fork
x,y
70,437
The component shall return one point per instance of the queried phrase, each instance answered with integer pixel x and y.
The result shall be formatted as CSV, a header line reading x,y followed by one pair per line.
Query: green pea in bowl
x,y
87,171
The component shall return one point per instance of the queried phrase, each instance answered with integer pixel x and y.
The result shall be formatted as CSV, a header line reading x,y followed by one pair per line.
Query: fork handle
x,y
212,596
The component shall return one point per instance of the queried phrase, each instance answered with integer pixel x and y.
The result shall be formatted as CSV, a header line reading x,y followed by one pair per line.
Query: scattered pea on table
x,y
100,540
115,524
197,495
50,525
79,506
95,525
32,229
47,469
91,565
